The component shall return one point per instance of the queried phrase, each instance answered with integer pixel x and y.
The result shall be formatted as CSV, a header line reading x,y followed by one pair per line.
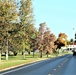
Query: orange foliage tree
x,y
62,40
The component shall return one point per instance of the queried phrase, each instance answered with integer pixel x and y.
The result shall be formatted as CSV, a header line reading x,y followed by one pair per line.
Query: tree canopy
x,y
62,40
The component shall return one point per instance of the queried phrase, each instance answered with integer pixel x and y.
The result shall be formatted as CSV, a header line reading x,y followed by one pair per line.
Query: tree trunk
x,y
0,55
7,47
47,54
40,54
6,54
23,50
33,53
15,53
23,54
29,52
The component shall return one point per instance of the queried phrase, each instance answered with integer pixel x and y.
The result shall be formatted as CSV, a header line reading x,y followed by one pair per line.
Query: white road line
x,y
54,69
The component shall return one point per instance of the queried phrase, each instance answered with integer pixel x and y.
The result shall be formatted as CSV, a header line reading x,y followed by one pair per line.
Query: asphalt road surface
x,y
64,65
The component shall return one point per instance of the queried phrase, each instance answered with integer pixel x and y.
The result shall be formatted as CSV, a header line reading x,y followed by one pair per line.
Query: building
x,y
72,46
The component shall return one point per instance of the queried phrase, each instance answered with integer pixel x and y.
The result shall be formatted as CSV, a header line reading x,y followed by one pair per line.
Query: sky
x,y
59,15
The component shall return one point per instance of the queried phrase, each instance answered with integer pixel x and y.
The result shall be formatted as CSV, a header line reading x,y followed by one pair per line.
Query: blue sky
x,y
60,15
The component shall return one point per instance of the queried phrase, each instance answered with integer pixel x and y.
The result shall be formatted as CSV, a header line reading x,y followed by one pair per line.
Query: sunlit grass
x,y
18,60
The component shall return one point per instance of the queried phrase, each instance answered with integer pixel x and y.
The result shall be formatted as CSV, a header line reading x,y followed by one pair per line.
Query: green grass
x,y
18,60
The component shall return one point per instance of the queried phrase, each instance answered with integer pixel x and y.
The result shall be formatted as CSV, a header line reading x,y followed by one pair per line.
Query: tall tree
x,y
45,40
40,38
49,39
8,14
27,22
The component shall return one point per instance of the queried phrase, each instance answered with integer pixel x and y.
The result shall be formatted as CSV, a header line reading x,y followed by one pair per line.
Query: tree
x,y
68,42
71,40
8,15
49,40
45,40
40,38
26,22
33,44
15,40
75,37
61,41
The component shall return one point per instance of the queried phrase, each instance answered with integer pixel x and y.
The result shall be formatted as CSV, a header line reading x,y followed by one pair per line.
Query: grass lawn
x,y
18,60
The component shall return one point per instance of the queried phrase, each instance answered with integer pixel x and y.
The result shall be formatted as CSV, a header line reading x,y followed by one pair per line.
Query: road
x,y
64,65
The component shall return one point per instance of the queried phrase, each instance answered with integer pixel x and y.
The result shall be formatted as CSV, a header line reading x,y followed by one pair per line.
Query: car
x,y
74,52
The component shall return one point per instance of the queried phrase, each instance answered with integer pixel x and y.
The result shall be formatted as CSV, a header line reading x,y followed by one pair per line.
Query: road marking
x,y
58,66
49,74
61,65
54,69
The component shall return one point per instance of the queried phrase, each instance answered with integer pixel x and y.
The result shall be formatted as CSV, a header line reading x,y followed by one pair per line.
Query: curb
x,y
17,66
